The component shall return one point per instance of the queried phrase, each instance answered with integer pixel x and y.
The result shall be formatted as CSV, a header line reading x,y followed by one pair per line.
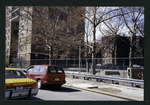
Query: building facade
x,y
25,26
116,46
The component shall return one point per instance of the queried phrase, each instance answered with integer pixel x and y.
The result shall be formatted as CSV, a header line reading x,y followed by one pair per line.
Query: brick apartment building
x,y
118,47
20,30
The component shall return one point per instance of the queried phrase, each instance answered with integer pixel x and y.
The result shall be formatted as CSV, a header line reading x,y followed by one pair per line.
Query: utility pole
x,y
49,55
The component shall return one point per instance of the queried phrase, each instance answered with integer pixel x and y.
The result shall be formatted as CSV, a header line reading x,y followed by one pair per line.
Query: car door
x,y
35,73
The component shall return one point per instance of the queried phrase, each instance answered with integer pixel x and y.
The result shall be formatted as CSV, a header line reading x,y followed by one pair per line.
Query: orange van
x,y
47,75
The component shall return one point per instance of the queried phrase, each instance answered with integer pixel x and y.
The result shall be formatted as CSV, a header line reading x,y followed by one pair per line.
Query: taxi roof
x,y
11,69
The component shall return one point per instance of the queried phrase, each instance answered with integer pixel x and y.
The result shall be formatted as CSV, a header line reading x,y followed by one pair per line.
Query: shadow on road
x,y
30,99
62,89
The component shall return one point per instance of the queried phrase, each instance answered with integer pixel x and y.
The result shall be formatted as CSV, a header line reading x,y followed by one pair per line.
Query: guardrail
x,y
113,79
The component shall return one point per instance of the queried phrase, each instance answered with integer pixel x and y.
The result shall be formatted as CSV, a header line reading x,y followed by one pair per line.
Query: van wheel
x,y
58,86
39,84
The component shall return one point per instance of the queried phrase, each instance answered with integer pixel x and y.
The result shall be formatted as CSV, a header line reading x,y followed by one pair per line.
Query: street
x,y
70,94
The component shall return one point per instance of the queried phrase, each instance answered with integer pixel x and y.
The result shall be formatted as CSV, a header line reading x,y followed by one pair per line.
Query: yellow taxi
x,y
17,85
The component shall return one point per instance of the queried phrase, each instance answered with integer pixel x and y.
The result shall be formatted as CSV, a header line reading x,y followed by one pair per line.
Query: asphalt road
x,y
70,94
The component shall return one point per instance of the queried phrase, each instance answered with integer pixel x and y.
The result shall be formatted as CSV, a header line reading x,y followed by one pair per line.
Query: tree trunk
x,y
94,46
131,51
93,52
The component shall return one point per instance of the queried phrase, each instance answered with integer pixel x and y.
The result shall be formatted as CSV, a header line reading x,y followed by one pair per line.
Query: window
x,y
68,30
55,19
22,8
60,70
42,69
27,30
69,9
22,24
26,47
21,48
51,70
26,55
63,14
27,21
38,14
69,16
46,49
21,40
7,50
69,24
36,69
14,74
21,32
63,21
37,47
22,17
29,70
20,55
47,9
37,38
47,16
36,55
27,14
74,31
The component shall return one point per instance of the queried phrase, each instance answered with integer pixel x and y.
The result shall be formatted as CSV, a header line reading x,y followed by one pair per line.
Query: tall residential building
x,y
116,46
21,31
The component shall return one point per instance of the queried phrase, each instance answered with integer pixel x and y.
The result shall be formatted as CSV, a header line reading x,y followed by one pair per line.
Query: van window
x,y
52,70
42,69
60,70
36,69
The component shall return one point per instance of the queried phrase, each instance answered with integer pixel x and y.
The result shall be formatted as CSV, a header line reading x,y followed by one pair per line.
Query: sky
x,y
124,29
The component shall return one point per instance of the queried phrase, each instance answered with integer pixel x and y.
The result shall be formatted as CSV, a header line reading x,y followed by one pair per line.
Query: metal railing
x,y
113,79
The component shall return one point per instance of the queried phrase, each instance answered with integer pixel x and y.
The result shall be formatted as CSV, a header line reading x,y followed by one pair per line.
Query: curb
x,y
105,93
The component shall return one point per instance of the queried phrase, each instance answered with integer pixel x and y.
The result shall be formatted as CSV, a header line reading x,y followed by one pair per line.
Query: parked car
x,y
47,75
17,85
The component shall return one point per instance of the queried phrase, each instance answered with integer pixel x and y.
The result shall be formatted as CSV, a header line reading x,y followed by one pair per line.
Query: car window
x,y
14,74
60,70
52,70
36,69
29,70
42,69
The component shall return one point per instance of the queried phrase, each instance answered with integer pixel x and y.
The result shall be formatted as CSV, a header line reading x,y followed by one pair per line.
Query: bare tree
x,y
55,27
96,16
134,21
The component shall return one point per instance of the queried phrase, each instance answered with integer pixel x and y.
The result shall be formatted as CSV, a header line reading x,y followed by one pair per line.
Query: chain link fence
x,y
117,66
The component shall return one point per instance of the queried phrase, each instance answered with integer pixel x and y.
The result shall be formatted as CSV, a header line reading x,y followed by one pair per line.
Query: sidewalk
x,y
127,92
